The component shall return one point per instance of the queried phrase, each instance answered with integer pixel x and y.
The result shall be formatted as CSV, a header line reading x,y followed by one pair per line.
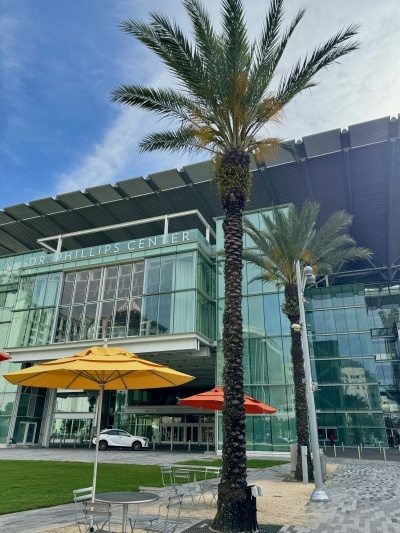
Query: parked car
x,y
120,438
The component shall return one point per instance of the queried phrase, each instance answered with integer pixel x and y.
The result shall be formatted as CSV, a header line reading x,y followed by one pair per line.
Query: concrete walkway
x,y
364,494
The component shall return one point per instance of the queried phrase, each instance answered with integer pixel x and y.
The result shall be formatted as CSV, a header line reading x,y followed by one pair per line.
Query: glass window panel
x,y
184,272
254,287
337,297
80,287
318,322
121,318
68,289
74,330
94,285
205,315
39,291
52,289
167,273
88,322
138,276
285,323
339,318
278,398
362,318
326,297
354,344
164,313
358,294
150,316
272,321
254,325
323,371
62,324
152,283
184,312
124,281
351,319
134,316
274,359
110,282
366,345
328,398
105,324
254,218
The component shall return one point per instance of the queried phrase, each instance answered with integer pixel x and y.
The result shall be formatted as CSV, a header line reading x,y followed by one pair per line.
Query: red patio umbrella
x,y
214,401
4,356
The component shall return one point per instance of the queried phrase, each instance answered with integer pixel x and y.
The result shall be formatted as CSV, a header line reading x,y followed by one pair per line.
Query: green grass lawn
x,y
251,463
35,484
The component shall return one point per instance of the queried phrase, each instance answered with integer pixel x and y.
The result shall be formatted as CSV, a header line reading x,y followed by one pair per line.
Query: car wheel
x,y
103,445
136,446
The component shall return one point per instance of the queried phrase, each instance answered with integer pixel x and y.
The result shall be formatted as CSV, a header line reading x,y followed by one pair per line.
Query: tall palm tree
x,y
291,236
221,101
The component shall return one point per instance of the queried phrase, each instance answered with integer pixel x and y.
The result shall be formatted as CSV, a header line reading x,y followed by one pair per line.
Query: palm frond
x,y
300,77
291,235
263,71
161,101
234,37
171,141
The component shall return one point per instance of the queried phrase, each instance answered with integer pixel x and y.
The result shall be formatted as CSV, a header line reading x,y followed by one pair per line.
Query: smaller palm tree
x,y
287,237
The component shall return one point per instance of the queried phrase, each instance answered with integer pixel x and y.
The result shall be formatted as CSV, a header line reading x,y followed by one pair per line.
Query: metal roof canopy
x,y
356,169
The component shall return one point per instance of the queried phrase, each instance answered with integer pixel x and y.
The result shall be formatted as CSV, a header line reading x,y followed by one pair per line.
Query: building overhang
x,y
191,353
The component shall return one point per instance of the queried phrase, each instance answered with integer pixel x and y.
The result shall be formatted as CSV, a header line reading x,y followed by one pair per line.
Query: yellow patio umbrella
x,y
99,368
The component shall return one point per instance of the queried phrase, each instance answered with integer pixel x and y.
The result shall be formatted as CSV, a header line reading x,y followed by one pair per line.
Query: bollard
x,y
304,467
324,445
154,443
188,445
74,442
334,450
384,454
60,441
208,443
380,448
361,447
172,441
358,450
342,447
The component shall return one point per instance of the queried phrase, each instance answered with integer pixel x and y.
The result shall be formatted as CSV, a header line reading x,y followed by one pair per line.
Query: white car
x,y
120,438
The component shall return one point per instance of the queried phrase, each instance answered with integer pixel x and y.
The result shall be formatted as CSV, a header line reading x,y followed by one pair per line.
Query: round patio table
x,y
124,498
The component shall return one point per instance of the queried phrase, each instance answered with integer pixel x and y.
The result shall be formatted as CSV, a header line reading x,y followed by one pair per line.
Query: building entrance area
x,y
183,433
26,433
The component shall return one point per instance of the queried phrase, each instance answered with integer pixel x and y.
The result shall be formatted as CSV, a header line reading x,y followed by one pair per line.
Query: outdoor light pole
x,y
319,494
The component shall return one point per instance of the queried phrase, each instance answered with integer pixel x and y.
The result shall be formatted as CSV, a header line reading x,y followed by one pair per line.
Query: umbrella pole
x,y
96,455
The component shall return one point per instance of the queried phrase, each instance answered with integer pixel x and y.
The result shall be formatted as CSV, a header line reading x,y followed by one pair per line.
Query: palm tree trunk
x,y
291,309
233,512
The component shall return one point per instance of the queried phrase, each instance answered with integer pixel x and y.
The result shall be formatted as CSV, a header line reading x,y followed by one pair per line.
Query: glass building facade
x,y
171,289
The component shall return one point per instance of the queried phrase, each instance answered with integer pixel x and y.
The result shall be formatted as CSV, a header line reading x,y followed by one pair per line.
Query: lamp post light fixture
x,y
318,494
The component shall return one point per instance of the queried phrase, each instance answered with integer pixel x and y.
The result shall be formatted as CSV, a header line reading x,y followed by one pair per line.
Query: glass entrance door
x,y
26,433
181,433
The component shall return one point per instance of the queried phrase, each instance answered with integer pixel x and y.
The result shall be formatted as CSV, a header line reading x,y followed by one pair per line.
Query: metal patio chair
x,y
97,517
183,484
168,522
140,518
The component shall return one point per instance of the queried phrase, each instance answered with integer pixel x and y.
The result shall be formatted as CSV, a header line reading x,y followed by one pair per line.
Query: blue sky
x,y
60,60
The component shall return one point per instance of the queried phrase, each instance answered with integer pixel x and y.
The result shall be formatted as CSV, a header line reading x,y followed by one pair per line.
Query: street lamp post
x,y
319,494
